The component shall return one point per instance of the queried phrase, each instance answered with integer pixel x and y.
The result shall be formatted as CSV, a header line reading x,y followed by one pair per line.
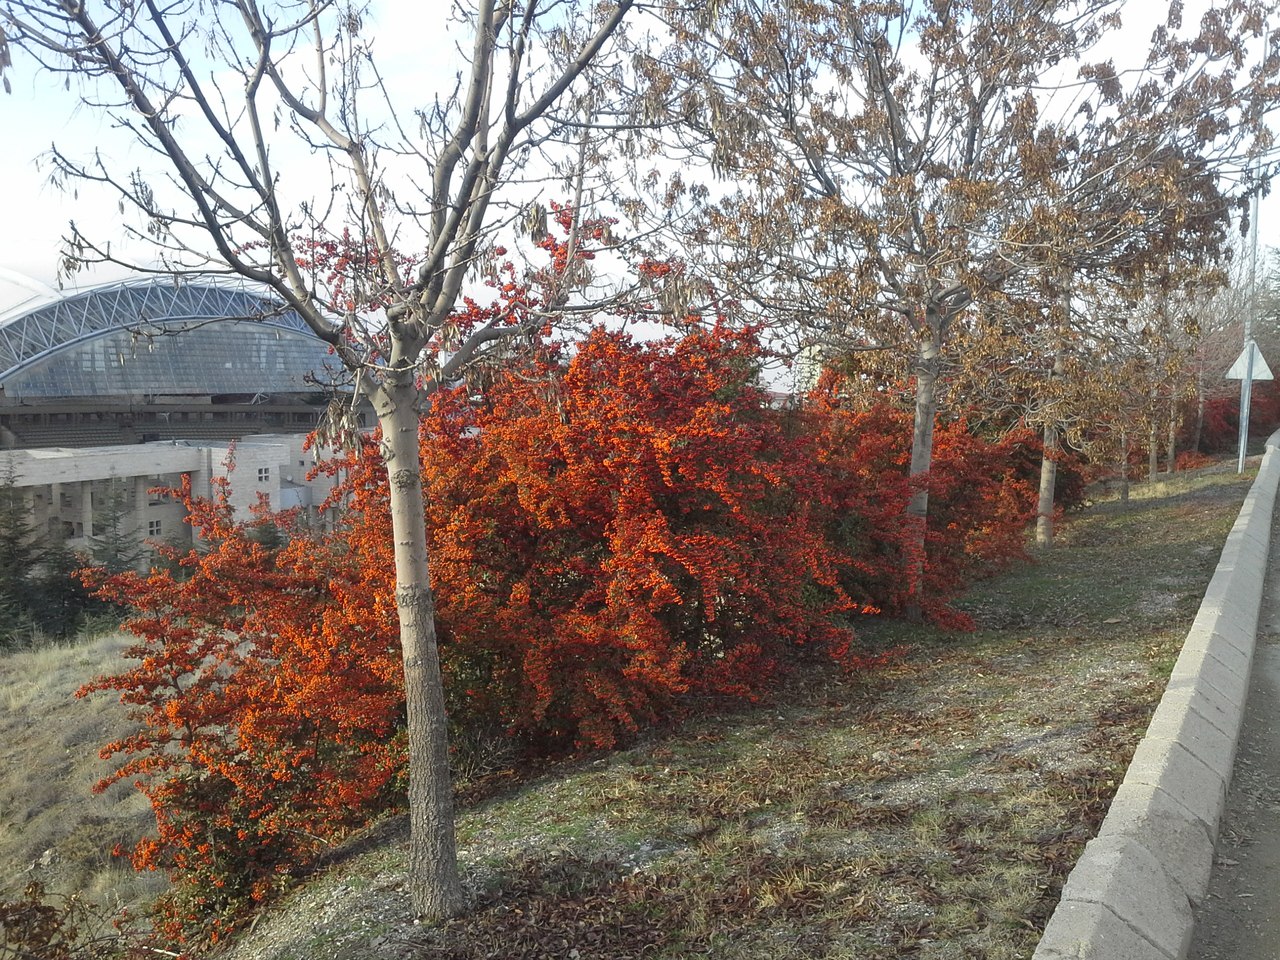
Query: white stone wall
x,y
67,487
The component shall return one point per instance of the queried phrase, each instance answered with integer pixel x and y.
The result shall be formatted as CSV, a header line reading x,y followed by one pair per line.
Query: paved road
x,y
1240,917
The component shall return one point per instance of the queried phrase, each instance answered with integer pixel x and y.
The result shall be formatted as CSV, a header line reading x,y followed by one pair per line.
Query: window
x,y
93,358
264,474
153,528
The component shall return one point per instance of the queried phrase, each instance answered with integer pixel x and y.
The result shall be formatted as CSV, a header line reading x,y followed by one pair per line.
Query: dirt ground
x,y
1240,918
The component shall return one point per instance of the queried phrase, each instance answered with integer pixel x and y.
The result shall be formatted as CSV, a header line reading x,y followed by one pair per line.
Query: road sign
x,y
1241,367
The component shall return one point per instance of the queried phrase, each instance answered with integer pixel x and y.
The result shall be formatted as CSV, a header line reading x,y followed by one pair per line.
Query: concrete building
x,y
112,391
78,491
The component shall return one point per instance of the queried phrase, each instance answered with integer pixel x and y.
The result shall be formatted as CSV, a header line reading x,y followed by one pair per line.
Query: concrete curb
x,y
1133,891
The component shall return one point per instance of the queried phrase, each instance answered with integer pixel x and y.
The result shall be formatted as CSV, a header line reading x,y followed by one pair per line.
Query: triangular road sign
x,y
1260,369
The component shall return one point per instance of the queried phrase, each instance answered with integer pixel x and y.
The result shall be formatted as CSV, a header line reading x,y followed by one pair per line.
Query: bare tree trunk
x,y
1195,445
921,460
1048,461
1124,468
1048,483
1153,441
434,884
1171,456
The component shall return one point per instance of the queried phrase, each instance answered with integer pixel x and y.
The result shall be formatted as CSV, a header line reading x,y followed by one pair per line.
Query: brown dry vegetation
x,y
931,809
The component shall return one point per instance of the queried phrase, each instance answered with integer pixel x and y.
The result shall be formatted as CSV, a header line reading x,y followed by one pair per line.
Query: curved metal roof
x,y
157,336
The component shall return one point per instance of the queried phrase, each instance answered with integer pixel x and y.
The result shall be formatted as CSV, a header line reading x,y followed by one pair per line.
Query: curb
x,y
1132,894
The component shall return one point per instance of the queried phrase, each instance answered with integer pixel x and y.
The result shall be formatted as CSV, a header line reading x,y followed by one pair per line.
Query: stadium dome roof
x,y
155,336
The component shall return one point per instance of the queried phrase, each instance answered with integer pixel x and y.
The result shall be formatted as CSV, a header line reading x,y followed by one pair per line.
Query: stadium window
x,y
153,528
93,358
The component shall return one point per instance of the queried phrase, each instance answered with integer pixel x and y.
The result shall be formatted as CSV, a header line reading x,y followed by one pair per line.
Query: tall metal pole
x,y
1246,385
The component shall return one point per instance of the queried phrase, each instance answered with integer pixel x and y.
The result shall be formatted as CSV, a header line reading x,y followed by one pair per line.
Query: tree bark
x,y
921,460
1153,441
1124,468
1171,456
434,884
1049,448
1048,461
1048,483
1199,406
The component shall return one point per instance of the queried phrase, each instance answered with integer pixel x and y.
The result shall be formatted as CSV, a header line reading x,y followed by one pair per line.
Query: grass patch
x,y
52,827
931,809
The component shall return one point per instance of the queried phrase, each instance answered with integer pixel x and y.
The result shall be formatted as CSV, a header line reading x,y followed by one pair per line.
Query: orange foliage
x,y
980,502
611,530
623,528
268,718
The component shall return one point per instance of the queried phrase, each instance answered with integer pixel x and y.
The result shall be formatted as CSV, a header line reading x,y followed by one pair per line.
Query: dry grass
x,y
52,827
931,809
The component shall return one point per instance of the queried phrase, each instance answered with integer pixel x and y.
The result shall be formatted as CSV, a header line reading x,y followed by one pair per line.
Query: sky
x,y
40,112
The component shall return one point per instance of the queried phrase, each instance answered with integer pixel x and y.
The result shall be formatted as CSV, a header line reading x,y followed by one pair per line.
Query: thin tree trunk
x,y
1048,453
1048,483
1199,407
921,460
1153,458
1124,468
1048,460
434,885
1153,441
1171,457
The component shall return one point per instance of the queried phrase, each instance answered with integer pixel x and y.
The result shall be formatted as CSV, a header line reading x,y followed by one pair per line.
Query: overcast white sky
x,y
35,214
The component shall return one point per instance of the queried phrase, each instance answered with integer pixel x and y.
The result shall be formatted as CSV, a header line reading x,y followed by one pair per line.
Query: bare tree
x,y
889,167
277,131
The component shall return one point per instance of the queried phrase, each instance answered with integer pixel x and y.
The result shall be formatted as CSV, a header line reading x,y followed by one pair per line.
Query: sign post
x,y
1246,376
1251,365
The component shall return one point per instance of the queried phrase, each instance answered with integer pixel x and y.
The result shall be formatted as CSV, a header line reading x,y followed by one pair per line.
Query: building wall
x,y
75,489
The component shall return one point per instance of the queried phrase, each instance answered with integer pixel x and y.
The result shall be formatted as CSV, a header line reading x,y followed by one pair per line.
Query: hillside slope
x,y
929,809
52,828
